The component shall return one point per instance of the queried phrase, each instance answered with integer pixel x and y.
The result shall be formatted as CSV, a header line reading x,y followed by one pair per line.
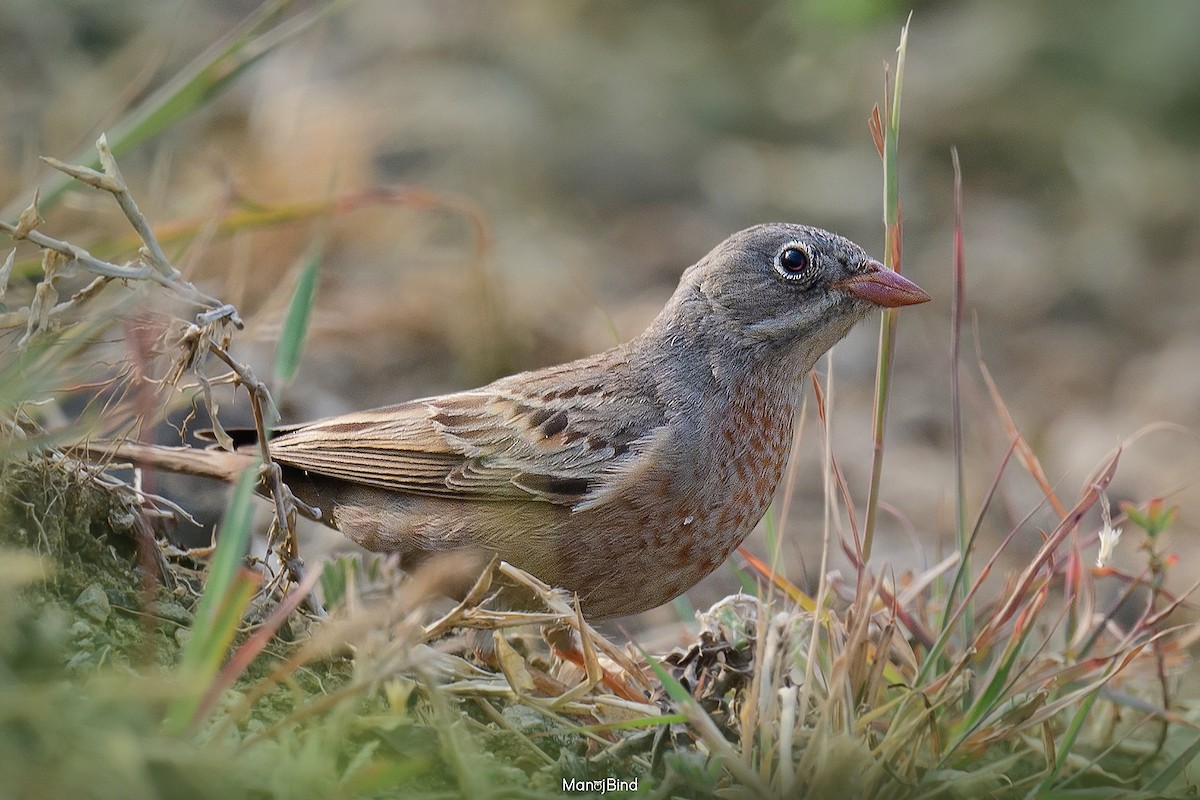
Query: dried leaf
x,y
28,219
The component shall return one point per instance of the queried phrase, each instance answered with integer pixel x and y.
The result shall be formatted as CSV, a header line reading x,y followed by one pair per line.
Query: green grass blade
x,y
295,326
1169,773
1067,741
684,609
631,724
231,549
891,169
771,535
227,592
205,78
999,687
960,490
745,580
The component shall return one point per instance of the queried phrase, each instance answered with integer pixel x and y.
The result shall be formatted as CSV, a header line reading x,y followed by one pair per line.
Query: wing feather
x,y
495,443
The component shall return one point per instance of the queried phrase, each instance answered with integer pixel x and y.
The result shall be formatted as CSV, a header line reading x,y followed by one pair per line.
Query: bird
x,y
624,477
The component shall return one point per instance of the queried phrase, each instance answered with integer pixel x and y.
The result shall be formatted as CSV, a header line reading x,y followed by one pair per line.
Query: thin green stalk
x,y
891,254
295,326
960,490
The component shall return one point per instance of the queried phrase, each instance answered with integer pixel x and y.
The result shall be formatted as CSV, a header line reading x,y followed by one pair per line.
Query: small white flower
x,y
1108,540
1109,536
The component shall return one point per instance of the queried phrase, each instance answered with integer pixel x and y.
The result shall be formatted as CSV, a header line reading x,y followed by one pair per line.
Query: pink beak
x,y
883,287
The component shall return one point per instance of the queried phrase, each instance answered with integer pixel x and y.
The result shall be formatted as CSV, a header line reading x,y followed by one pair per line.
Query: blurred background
x,y
608,145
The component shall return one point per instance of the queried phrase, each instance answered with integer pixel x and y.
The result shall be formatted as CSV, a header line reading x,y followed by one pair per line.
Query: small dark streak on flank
x,y
620,449
567,487
540,416
556,423
590,389
560,394
547,484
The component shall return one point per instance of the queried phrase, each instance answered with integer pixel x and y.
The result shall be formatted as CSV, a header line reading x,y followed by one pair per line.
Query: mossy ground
x,y
89,649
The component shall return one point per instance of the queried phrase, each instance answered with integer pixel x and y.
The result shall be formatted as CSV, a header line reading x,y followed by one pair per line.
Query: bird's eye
x,y
793,262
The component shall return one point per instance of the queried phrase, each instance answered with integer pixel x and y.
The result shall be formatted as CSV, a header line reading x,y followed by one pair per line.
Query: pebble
x,y
93,602
170,611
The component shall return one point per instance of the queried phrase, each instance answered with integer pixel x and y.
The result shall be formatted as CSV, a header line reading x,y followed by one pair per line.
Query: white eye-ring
x,y
794,261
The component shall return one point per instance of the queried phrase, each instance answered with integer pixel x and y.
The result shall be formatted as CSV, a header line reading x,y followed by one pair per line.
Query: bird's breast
x,y
748,457
684,519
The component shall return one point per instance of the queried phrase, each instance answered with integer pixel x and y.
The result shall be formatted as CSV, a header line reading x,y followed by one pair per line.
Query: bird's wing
x,y
486,444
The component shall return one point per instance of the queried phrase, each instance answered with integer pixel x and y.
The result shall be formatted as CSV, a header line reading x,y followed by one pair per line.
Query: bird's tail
x,y
219,464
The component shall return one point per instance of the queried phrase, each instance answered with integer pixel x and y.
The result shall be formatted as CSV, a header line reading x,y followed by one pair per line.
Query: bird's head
x,y
781,287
